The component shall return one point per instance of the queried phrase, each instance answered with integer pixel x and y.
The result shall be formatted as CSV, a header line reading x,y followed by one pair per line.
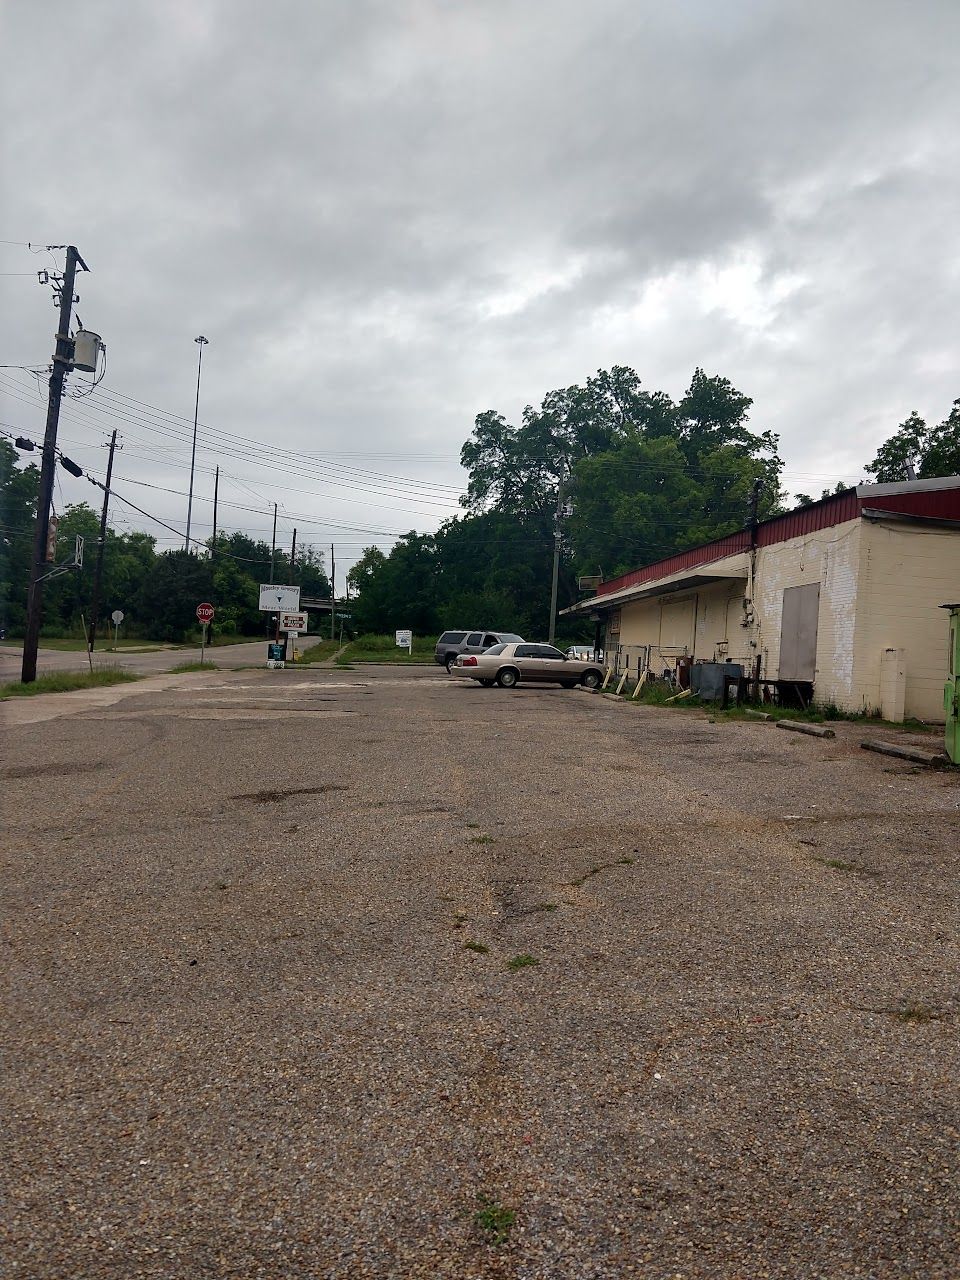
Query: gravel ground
x,y
245,1037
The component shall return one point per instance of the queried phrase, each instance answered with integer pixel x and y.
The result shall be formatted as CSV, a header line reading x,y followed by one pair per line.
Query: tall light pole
x,y
201,343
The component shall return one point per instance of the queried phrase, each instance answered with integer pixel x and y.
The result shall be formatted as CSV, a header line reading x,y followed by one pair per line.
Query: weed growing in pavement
x,y
522,961
473,826
913,1011
481,839
494,1221
459,920
183,667
480,949
838,864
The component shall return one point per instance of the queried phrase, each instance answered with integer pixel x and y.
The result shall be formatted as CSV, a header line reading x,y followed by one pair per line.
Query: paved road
x,y
272,1007
50,660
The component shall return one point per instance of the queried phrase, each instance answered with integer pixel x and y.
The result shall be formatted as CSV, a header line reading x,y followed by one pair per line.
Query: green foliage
x,y
646,477
67,682
18,501
158,594
377,648
933,451
494,1221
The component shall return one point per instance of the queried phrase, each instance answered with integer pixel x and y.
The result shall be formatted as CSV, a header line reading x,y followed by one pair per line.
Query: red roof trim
x,y
838,508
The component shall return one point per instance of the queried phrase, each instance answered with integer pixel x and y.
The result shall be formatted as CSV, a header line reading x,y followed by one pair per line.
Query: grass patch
x,y
67,682
837,864
381,648
322,651
183,667
494,1221
481,839
522,961
478,947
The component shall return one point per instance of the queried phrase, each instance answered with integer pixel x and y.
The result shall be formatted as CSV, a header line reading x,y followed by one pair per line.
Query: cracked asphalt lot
x,y
259,1017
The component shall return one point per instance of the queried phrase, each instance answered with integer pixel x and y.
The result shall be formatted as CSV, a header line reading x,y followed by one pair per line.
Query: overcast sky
x,y
389,215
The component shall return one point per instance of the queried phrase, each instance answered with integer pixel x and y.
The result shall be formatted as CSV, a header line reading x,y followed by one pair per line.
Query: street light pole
x,y
201,343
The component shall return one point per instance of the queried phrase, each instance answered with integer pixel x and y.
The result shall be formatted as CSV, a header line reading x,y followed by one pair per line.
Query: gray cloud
x,y
387,217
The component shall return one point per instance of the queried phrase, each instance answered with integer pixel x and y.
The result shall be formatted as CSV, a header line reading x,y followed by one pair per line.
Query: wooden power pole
x,y
62,364
98,574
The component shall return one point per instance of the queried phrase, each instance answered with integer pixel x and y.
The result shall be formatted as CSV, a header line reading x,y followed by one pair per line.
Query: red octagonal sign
x,y
205,612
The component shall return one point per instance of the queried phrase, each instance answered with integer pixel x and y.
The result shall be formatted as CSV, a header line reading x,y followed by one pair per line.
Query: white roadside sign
x,y
405,640
274,597
294,622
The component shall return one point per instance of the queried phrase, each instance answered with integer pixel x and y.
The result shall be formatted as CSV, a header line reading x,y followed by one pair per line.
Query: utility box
x,y
707,679
951,690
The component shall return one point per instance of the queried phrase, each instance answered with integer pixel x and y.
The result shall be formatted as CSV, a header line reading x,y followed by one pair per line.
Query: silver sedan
x,y
509,664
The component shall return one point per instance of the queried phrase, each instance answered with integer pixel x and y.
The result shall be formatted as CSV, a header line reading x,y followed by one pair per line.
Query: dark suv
x,y
452,643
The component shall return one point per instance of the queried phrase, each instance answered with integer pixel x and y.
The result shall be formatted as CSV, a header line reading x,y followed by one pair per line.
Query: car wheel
x,y
487,684
507,678
591,680
450,661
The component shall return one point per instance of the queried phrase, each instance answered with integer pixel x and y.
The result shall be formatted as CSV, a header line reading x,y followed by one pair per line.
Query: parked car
x,y
509,664
585,652
452,643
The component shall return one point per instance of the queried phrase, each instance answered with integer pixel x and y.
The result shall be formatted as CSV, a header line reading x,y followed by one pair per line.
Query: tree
x,y
932,451
646,476
18,508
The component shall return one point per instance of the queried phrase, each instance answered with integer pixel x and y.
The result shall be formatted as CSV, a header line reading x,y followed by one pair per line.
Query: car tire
x,y
450,661
591,679
487,684
507,678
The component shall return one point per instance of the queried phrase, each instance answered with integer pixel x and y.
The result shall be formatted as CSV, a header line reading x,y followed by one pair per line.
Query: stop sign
x,y
205,612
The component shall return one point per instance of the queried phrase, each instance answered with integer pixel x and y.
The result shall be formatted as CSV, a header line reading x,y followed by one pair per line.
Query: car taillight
x,y
469,662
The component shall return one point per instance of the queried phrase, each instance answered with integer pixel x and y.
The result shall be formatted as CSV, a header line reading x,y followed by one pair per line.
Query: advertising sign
x,y
274,597
405,640
293,622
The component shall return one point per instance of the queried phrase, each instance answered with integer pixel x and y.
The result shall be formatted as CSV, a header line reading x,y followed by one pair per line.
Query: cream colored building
x,y
839,599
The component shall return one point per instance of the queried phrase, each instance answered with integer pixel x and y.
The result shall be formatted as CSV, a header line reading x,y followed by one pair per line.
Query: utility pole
x,y
216,491
201,343
62,362
293,556
556,564
98,574
273,545
333,596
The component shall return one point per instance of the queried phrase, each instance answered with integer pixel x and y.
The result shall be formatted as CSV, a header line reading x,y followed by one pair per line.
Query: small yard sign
x,y
405,640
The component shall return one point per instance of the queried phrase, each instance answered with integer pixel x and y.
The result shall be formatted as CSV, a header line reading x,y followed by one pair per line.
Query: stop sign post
x,y
205,614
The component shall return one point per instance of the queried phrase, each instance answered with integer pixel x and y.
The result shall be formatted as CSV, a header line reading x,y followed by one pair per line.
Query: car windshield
x,y
509,638
496,648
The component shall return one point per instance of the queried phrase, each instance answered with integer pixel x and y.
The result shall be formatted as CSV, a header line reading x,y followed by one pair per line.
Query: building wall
x,y
880,588
906,573
831,557
705,623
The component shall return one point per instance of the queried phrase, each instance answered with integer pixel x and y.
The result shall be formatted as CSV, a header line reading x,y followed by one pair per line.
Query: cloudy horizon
x,y
389,217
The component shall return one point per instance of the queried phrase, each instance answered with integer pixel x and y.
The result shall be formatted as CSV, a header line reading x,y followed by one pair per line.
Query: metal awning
x,y
730,569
